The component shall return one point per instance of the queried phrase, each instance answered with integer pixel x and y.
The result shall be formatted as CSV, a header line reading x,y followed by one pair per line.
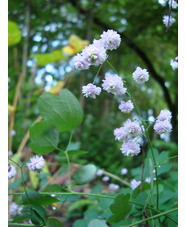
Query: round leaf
x,y
86,173
97,223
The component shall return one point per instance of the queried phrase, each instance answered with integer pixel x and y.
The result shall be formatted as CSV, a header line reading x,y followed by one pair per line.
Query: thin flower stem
x,y
116,178
150,218
145,128
97,72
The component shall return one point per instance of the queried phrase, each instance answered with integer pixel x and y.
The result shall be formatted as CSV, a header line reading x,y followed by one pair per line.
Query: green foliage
x,y
38,215
44,59
54,222
33,197
97,223
73,153
85,174
14,34
64,111
44,137
120,208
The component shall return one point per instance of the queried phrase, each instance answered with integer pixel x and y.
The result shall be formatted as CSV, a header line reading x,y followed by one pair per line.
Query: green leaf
x,y
38,215
85,174
36,198
21,218
97,223
68,198
64,111
54,222
46,58
14,34
73,153
120,208
44,137
54,188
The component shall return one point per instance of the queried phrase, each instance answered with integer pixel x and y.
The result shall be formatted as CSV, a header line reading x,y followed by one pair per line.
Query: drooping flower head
x,y
168,20
120,134
14,209
132,128
126,107
105,178
124,171
114,187
12,132
111,40
140,75
164,115
11,171
94,54
36,164
162,126
80,62
134,184
174,63
91,91
130,148
173,4
99,173
114,84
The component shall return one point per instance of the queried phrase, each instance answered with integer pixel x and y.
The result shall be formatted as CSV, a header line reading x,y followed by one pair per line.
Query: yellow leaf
x,y
34,179
57,88
10,108
75,45
69,50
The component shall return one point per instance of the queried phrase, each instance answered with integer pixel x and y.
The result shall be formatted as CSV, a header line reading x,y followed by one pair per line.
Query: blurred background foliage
x,y
44,35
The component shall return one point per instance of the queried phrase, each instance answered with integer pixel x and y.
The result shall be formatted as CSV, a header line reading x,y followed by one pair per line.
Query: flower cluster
x,y
36,164
173,4
168,20
126,107
162,124
140,75
134,184
11,171
174,63
95,53
114,84
126,134
91,90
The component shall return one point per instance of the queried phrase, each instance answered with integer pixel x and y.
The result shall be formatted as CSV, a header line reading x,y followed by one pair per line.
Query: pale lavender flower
x,y
120,134
164,115
13,208
148,180
130,148
162,126
80,62
99,173
126,107
132,128
11,171
114,84
124,171
12,132
105,178
94,54
90,90
114,187
168,20
174,63
140,75
173,4
154,171
134,184
36,164
111,40
10,153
